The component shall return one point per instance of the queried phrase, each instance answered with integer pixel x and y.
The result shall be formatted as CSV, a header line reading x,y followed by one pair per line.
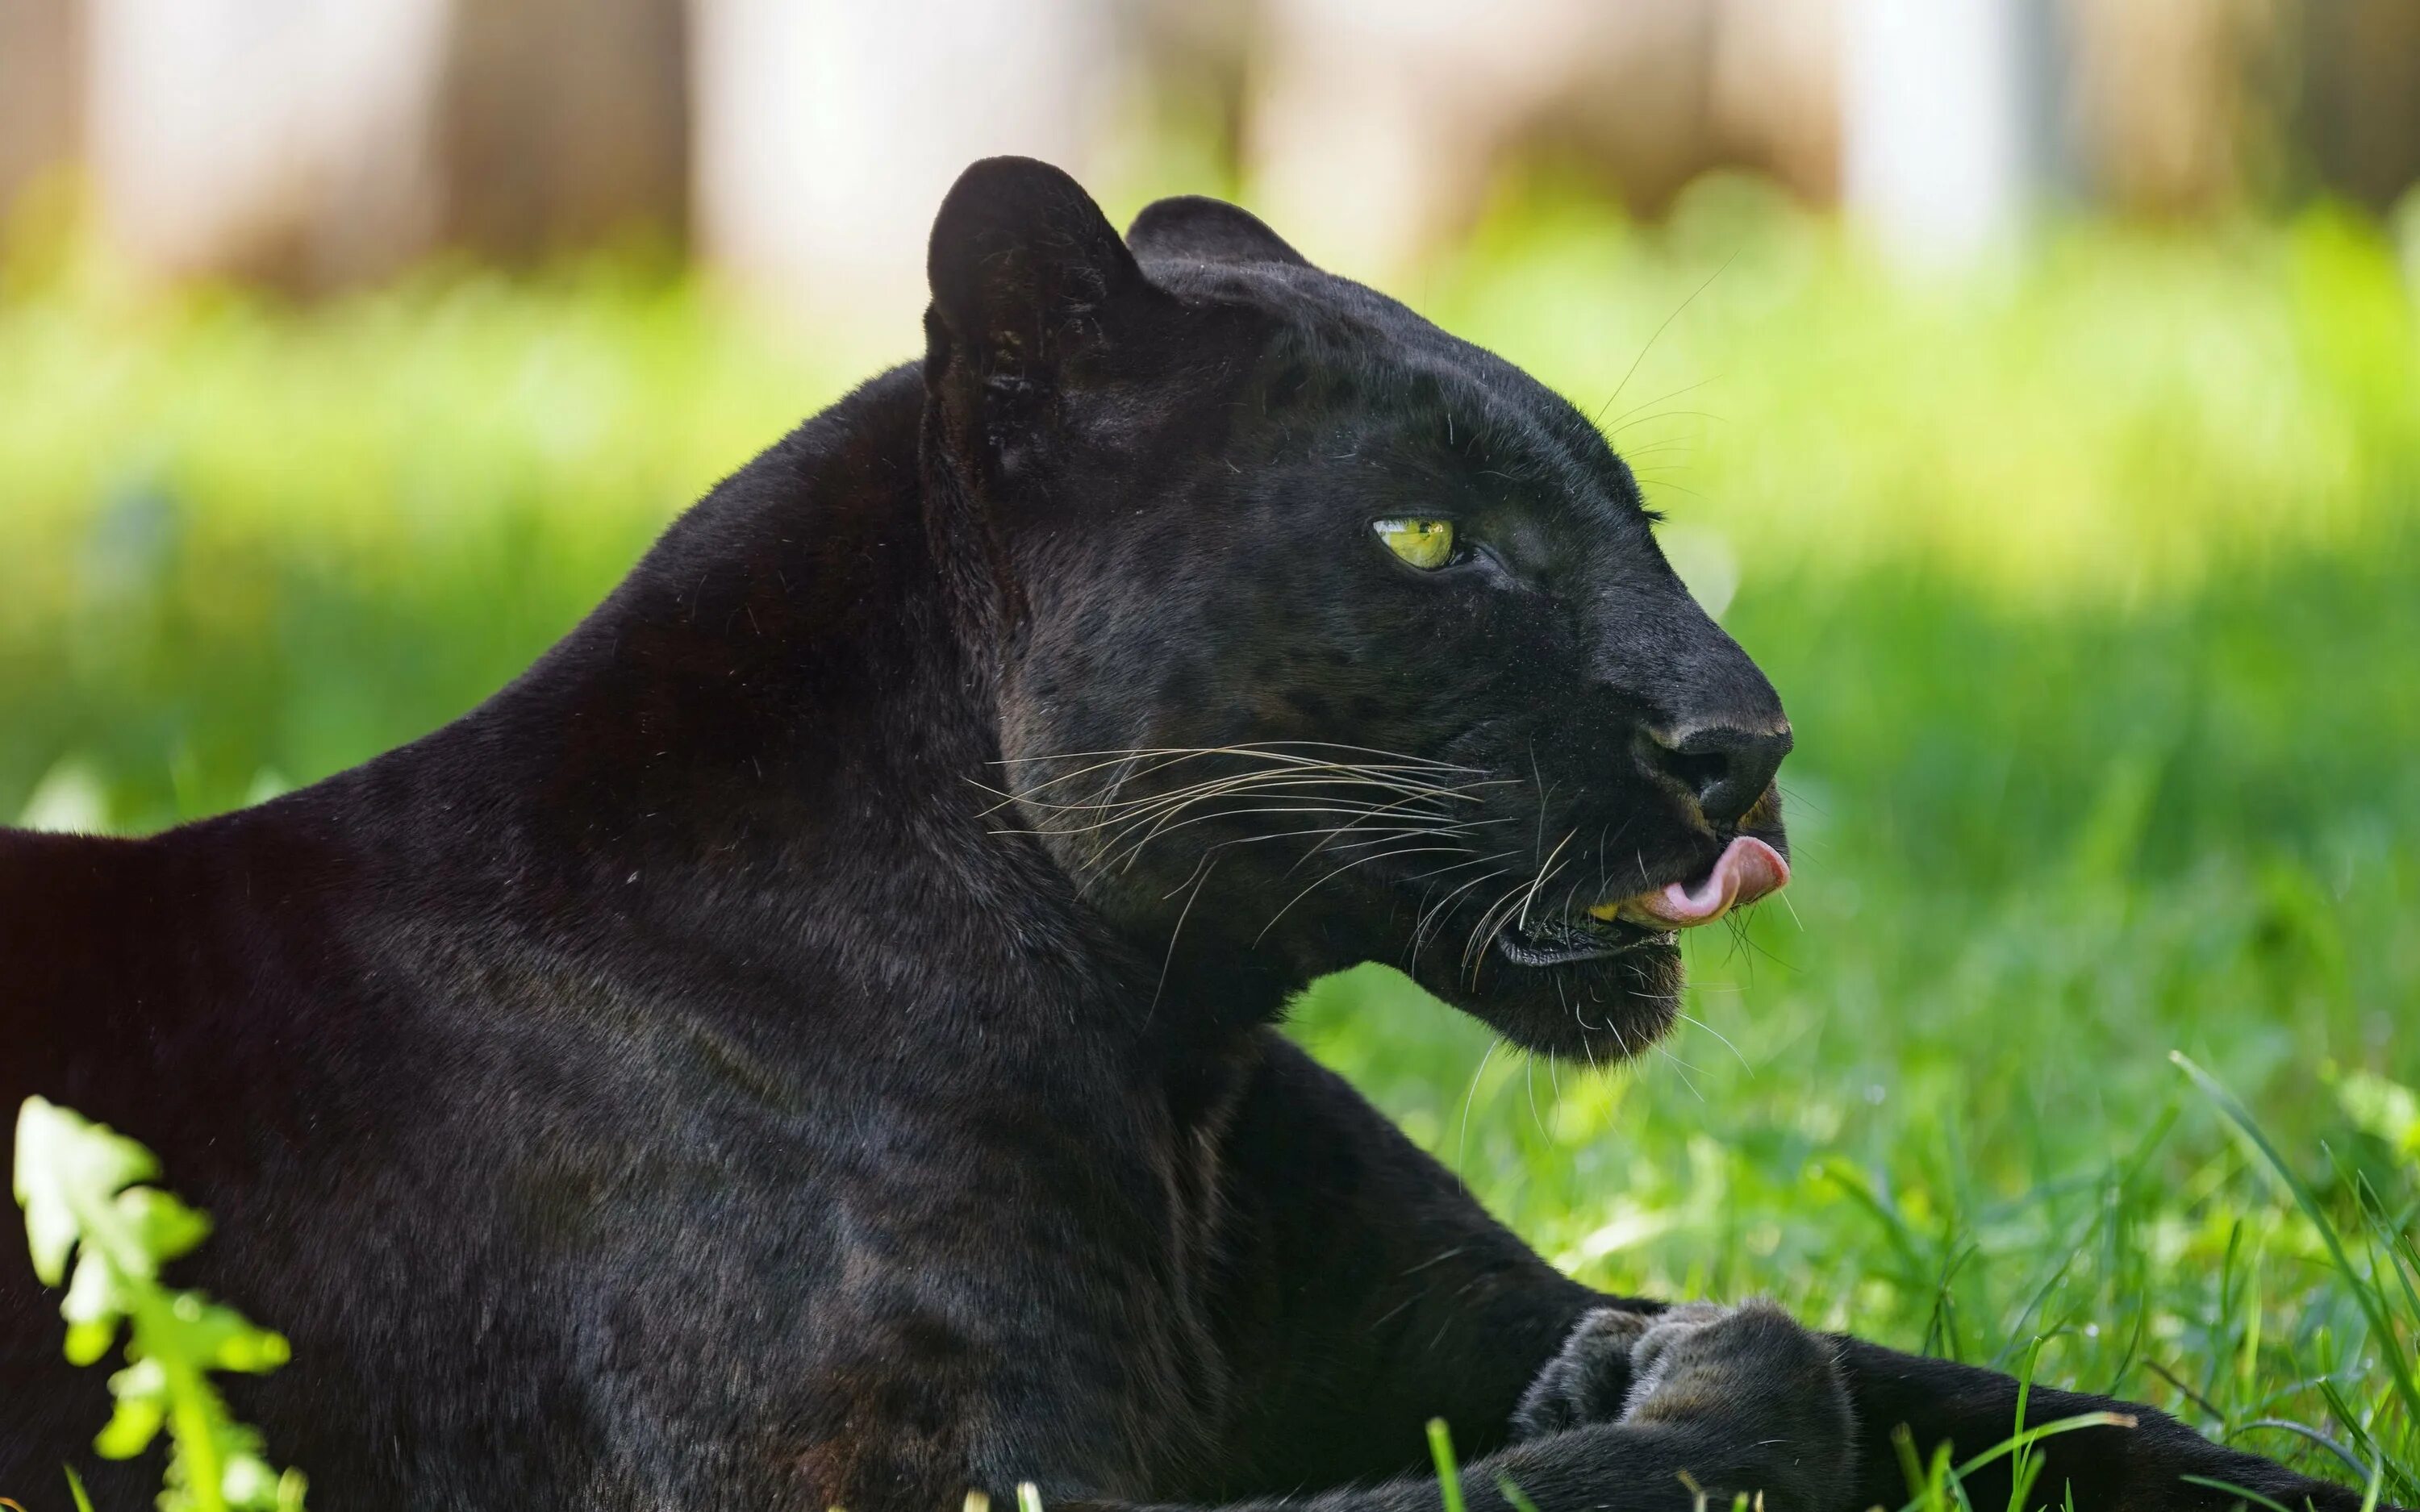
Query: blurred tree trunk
x,y
564,123
827,132
2172,111
281,140
1944,144
1379,125
2360,105
313,145
41,75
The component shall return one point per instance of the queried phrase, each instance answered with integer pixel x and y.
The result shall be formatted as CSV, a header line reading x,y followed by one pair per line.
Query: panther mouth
x,y
1747,869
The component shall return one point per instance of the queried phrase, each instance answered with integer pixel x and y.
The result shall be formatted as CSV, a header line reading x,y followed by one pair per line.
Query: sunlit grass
x,y
2093,586
2113,421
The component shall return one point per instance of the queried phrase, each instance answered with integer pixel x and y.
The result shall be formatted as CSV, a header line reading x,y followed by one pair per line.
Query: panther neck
x,y
773,745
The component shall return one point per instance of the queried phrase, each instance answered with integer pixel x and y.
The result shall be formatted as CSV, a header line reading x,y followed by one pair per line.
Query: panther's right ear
x,y
1195,228
1026,274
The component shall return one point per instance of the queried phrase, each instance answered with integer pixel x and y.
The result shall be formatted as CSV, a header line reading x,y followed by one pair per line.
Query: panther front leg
x,y
1603,1373
1370,1292
1716,1404
2157,1465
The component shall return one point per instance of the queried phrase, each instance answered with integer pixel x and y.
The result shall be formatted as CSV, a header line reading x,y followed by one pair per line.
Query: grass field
x,y
2093,587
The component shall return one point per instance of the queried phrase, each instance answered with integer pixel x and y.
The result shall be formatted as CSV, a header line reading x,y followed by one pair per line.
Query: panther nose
x,y
1724,768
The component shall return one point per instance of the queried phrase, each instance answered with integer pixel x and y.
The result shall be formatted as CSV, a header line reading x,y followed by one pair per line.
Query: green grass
x,y
2093,587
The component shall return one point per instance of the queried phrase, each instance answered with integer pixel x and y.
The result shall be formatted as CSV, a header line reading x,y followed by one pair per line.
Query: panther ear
x,y
1024,270
1194,228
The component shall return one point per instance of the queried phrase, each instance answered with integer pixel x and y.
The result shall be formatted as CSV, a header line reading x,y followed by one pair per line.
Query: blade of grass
x,y
2390,1346
1905,1443
2233,1489
1513,1494
1448,1474
2015,1442
2025,1469
2305,1430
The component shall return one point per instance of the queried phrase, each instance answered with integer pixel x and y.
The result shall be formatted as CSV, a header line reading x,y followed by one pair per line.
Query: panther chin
x,y
1606,983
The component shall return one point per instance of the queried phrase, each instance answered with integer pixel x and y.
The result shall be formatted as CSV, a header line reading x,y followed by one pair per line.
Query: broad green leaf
x,y
255,1351
142,1393
63,1158
164,1227
95,1295
75,1179
89,1341
248,1481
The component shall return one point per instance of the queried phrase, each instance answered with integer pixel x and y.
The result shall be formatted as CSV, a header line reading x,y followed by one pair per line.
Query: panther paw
x,y
1693,1359
1588,1380
1724,1354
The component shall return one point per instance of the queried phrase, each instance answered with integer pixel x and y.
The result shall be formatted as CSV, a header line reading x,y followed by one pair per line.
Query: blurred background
x,y
2032,385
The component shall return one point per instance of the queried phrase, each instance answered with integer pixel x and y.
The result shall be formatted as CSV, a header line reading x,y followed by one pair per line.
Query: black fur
x,y
684,1082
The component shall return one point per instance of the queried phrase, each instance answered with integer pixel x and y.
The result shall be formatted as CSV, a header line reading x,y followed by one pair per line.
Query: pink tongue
x,y
1746,870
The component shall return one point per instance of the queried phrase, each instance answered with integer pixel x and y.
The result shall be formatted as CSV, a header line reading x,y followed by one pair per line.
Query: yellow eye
x,y
1426,544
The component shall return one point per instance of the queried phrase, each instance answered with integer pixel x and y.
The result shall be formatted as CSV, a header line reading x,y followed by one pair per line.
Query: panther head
x,y
1320,636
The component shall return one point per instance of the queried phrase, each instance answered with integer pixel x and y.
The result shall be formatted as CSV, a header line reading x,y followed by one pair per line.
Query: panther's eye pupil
x,y
1426,544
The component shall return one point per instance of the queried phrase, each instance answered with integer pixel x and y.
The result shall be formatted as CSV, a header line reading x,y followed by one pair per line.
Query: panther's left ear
x,y
1195,228
1026,274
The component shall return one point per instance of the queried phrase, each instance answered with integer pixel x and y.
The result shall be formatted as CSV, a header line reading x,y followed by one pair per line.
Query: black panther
x,y
807,1042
